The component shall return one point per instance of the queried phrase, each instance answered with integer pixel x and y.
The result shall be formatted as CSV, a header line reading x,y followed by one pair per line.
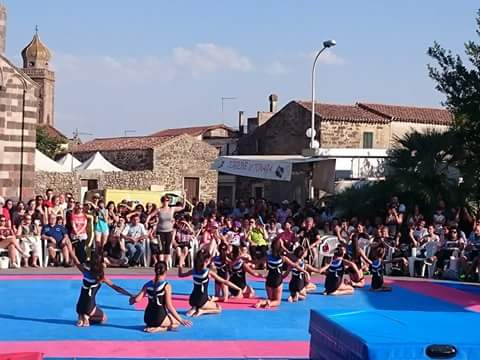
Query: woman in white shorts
x,y
29,235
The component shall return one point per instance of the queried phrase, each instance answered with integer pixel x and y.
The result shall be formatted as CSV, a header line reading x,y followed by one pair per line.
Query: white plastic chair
x,y
58,252
326,248
431,248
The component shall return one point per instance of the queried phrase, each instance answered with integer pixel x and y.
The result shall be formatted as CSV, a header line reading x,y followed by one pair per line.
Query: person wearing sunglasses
x,y
164,231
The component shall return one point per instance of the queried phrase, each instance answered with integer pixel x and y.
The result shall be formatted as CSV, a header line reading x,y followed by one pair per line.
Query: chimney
x,y
242,128
273,99
3,28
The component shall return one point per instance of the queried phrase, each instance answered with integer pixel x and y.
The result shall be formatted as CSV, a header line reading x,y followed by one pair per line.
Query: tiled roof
x,y
53,132
123,143
366,112
343,112
193,131
411,113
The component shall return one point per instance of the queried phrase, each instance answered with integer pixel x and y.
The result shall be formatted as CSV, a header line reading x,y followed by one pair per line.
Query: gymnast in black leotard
x,y
273,285
199,300
160,314
334,284
299,283
376,268
239,269
222,263
93,277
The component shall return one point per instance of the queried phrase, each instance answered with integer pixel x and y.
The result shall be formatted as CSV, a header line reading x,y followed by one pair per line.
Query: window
x,y
368,140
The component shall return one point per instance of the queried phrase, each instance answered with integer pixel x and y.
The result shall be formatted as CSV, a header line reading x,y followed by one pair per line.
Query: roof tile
x,y
344,112
411,113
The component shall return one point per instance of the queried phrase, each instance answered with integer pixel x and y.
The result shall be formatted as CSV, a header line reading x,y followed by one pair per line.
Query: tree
x,y
461,85
47,144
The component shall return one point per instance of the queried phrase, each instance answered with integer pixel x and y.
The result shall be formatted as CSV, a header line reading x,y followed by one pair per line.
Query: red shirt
x,y
6,213
79,221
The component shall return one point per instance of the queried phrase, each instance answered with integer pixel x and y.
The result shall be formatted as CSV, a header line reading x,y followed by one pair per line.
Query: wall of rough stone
x,y
343,134
399,129
11,108
131,160
187,157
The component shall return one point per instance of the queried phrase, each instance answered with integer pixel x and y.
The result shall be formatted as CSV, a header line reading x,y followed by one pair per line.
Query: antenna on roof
x,y
126,132
76,141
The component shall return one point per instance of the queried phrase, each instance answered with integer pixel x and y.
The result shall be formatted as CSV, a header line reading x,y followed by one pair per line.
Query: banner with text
x,y
263,169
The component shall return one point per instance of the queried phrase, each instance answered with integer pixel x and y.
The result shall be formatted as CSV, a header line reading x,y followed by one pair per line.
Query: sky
x,y
136,67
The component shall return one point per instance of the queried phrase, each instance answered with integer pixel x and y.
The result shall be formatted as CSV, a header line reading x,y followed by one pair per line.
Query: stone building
x,y
18,119
223,137
357,136
340,126
180,162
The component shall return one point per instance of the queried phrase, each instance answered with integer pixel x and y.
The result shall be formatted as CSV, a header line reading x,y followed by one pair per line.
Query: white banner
x,y
263,169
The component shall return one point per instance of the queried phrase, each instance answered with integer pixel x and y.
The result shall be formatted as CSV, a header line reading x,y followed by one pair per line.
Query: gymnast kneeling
x,y
376,268
199,301
160,314
93,277
334,284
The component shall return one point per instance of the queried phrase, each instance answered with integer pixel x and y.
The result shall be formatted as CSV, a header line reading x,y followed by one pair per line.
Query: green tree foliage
x,y
48,145
460,84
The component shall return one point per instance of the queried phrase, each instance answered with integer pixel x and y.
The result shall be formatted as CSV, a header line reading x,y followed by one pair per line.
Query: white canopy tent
x,y
97,162
69,162
44,163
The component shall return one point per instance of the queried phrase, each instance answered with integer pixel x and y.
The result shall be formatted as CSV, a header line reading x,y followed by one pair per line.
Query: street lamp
x,y
326,44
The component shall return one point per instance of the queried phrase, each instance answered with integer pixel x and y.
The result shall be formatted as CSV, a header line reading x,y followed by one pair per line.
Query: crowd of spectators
x,y
47,227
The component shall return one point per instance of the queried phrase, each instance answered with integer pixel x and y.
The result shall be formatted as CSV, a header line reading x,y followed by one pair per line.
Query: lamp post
x,y
326,44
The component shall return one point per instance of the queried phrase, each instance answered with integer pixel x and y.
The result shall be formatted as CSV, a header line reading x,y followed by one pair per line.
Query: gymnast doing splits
x,y
160,314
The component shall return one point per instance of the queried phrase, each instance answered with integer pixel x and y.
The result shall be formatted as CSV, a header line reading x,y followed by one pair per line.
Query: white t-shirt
x,y
134,231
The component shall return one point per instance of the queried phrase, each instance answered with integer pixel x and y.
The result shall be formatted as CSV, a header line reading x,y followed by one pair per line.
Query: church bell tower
x,y
36,58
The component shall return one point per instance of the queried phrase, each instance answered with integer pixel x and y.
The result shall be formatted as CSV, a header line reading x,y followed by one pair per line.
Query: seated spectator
x,y
78,231
472,253
183,237
56,236
240,211
284,212
114,252
258,240
310,239
135,235
273,229
29,235
9,241
4,211
288,237
233,237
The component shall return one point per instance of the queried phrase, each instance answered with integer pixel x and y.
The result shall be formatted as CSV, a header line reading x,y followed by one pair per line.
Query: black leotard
x,y
274,276
222,268
297,282
376,268
199,295
334,276
86,302
155,312
238,276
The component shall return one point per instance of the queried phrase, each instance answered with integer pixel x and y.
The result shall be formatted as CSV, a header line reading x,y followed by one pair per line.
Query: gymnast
x,y
93,277
334,284
376,268
199,300
239,270
222,264
299,284
273,285
160,314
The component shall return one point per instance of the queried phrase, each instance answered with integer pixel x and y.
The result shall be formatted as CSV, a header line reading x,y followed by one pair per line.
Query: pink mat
x,y
164,349
465,299
181,302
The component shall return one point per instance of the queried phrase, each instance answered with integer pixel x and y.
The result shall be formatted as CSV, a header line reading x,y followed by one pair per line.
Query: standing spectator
x,y
10,208
112,217
9,241
18,214
101,224
198,213
310,238
39,215
29,235
165,223
135,235
78,231
284,212
55,234
47,202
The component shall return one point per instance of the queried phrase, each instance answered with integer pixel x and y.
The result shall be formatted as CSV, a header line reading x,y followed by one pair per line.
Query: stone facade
x,y
17,136
344,134
165,166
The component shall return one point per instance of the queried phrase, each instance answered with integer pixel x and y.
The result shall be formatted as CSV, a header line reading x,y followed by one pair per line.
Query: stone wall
x,y
131,160
399,129
12,183
184,157
343,134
